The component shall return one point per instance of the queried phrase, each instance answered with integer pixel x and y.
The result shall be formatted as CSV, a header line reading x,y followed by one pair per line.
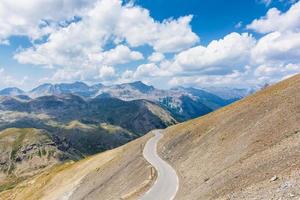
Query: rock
x,y
3,162
18,159
274,178
206,179
292,195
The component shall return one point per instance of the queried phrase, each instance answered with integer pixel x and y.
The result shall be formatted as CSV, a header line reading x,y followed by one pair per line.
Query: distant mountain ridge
x,y
231,93
13,91
182,103
82,89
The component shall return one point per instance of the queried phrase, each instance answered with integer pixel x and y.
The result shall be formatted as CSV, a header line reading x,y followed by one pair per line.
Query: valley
x,y
54,124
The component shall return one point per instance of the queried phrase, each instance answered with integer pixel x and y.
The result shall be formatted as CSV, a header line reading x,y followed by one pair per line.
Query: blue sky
x,y
165,43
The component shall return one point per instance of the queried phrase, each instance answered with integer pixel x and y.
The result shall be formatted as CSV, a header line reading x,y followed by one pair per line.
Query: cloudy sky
x,y
161,42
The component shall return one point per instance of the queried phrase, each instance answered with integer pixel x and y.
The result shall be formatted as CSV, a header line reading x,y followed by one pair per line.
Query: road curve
x,y
166,184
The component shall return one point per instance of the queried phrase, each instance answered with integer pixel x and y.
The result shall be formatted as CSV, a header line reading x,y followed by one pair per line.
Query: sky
x,y
164,43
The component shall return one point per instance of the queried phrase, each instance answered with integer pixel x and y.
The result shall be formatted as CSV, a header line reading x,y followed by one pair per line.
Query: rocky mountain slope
x,y
38,133
248,150
25,152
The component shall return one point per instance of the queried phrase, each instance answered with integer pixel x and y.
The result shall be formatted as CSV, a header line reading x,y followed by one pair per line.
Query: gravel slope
x,y
248,150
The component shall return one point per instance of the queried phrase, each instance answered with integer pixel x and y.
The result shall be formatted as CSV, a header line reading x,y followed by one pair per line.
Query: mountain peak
x,y
11,91
142,87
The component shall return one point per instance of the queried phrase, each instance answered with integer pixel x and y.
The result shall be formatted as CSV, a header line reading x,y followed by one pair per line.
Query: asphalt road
x,y
167,182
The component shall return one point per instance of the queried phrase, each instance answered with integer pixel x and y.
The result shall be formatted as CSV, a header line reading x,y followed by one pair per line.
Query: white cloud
x,y
156,57
138,28
81,46
120,55
149,73
77,45
225,54
20,17
107,72
147,70
276,54
174,36
127,76
277,70
240,59
109,21
275,20
277,48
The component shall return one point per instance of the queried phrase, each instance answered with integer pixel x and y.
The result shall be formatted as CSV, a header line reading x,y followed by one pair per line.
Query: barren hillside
x,y
248,150
121,173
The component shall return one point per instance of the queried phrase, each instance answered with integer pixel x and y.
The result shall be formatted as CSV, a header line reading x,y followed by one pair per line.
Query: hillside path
x,y
167,182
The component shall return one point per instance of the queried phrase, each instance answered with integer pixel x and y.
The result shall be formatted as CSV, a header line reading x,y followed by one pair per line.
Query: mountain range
x,y
182,103
55,123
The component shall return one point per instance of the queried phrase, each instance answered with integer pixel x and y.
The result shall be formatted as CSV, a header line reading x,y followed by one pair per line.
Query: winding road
x,y
166,185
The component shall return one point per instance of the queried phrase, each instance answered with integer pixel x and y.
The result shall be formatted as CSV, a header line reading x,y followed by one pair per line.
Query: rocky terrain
x,y
25,152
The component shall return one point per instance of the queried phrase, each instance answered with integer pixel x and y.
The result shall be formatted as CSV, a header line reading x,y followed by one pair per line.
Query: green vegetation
x,y
10,183
18,143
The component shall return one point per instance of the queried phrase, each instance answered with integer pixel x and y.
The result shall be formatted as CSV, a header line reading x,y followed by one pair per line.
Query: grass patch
x,y
17,144
10,183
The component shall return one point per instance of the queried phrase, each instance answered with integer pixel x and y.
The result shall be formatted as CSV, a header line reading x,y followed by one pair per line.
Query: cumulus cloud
x,y
156,57
78,44
138,28
276,54
277,71
81,45
120,55
241,58
27,18
145,70
275,20
109,21
225,54
107,72
277,48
